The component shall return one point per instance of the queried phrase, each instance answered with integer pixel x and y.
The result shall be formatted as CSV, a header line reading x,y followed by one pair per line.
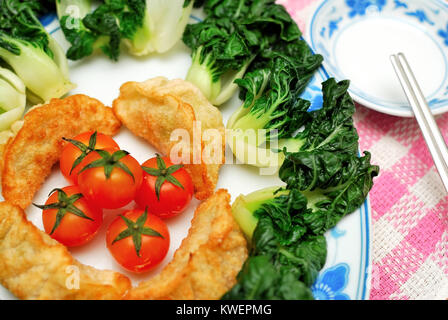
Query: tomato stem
x,y
65,204
85,150
110,161
163,174
136,230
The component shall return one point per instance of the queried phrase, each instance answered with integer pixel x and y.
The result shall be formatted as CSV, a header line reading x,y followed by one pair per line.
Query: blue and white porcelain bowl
x,y
357,37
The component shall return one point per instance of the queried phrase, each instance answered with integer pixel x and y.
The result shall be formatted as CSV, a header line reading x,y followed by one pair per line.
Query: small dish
x,y
356,38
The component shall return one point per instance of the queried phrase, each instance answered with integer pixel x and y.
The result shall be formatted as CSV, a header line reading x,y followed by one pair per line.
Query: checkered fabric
x,y
409,204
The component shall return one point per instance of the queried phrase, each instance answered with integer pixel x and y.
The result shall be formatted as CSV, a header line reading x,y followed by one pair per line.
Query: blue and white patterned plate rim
x,y
438,100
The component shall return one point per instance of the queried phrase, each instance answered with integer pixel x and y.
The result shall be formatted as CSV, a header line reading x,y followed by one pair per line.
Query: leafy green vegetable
x,y
325,180
331,127
28,49
271,97
331,197
327,138
41,7
164,22
12,98
303,259
291,256
260,280
219,51
101,29
320,208
289,232
228,41
197,3
244,206
271,103
326,168
144,26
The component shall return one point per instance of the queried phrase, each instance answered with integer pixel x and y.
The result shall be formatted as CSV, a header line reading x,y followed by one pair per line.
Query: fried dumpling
x,y
208,260
34,266
29,155
159,110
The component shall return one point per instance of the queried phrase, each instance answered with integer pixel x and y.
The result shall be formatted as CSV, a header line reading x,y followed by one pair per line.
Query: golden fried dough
x,y
154,109
208,260
29,156
34,266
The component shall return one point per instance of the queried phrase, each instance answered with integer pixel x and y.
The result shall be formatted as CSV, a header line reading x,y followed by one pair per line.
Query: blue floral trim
x,y
337,233
322,31
420,15
444,35
333,26
359,7
331,283
400,4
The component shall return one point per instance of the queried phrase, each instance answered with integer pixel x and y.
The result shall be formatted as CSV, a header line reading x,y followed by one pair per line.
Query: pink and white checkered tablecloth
x,y
409,205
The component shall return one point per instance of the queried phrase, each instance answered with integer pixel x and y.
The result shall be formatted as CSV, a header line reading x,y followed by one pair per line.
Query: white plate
x,y
357,37
346,272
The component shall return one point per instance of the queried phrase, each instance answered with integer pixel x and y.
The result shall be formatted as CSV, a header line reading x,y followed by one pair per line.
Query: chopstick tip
x,y
393,58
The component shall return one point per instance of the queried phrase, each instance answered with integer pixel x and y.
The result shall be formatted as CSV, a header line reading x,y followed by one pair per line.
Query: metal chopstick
x,y
423,115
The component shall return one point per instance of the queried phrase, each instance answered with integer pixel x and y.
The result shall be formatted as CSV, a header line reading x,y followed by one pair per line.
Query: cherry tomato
x,y
73,153
166,189
110,179
69,218
137,240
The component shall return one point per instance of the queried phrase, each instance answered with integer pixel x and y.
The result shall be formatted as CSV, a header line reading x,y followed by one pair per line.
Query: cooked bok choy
x,y
326,159
145,26
319,208
12,98
286,229
271,105
31,52
220,55
230,38
325,181
163,25
102,29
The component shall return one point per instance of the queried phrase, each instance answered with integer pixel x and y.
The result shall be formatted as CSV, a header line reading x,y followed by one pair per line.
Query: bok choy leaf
x,y
325,180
